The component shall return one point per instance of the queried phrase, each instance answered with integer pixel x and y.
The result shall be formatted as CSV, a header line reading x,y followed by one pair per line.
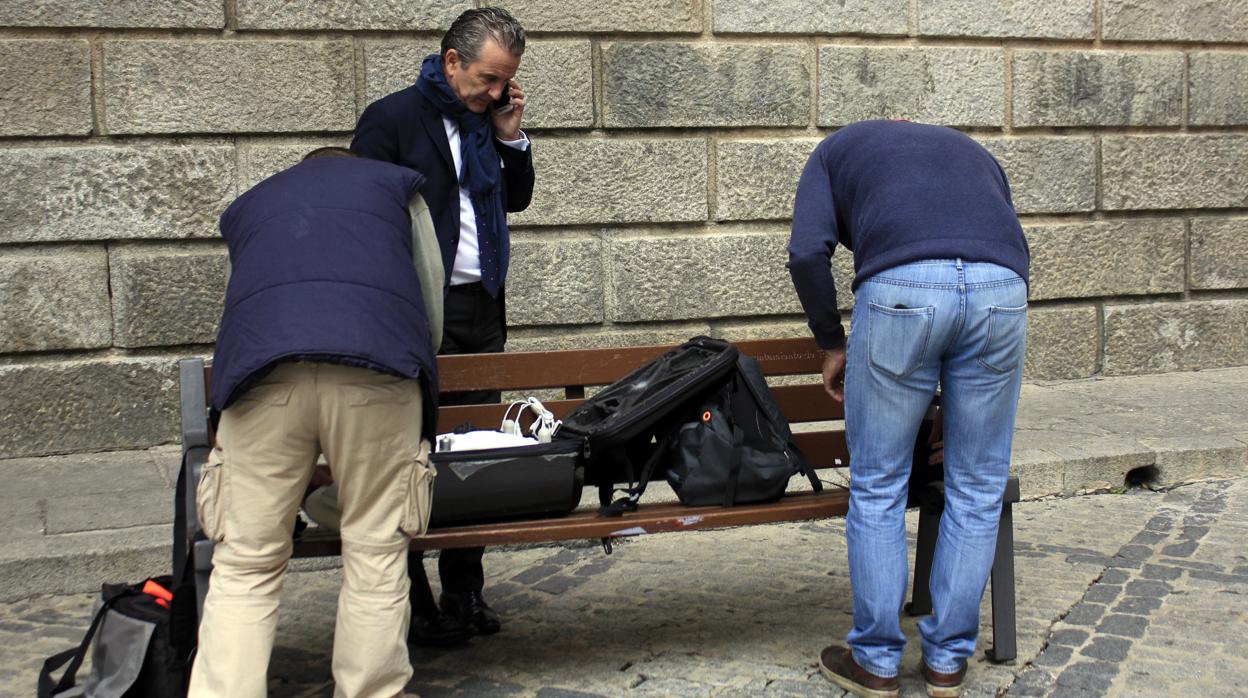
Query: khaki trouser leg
x,y
370,428
268,444
368,424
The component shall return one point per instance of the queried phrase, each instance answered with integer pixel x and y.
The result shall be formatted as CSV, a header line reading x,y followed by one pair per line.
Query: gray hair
x,y
470,30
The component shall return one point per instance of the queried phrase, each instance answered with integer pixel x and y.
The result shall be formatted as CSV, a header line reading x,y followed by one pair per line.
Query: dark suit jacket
x,y
404,128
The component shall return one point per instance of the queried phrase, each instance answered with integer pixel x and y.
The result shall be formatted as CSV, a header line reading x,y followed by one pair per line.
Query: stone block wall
x,y
668,139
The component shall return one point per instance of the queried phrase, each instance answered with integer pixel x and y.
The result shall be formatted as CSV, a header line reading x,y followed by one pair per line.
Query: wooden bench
x,y
814,415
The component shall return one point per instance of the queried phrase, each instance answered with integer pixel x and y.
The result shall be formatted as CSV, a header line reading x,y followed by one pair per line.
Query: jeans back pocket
x,y
897,338
1007,339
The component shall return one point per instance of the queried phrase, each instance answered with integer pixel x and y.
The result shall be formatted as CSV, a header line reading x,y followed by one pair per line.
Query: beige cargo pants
x,y
368,426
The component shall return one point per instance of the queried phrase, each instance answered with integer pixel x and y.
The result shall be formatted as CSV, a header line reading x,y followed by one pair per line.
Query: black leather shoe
x,y
440,631
471,609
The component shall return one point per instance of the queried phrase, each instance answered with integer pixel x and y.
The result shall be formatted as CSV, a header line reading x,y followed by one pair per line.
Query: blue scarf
x,y
480,175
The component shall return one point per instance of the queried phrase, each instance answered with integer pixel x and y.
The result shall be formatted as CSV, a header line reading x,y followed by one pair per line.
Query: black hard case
x,y
507,483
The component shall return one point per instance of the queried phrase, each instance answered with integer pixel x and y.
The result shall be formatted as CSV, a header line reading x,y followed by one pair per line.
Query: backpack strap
x,y
634,492
181,537
815,483
734,468
184,609
738,410
607,490
47,687
804,465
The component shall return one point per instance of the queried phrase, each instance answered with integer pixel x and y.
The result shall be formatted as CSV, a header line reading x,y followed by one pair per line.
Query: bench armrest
x,y
194,404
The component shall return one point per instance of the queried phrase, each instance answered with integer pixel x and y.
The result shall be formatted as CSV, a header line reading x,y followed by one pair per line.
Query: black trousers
x,y
473,323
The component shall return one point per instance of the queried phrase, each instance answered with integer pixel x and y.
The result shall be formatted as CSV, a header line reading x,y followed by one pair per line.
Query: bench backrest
x,y
574,371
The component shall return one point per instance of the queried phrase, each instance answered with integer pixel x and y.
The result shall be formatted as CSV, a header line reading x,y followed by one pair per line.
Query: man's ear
x,y
452,59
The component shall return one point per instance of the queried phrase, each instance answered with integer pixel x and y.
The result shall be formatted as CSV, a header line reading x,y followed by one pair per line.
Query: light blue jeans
x,y
962,325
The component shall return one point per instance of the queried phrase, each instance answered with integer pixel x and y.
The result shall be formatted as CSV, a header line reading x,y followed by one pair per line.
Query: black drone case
x,y
507,483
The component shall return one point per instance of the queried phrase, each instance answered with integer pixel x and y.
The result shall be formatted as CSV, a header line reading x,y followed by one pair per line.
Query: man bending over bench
x,y
940,277
324,346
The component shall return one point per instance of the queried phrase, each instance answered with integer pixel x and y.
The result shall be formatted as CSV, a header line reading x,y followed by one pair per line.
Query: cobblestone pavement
x,y
1135,594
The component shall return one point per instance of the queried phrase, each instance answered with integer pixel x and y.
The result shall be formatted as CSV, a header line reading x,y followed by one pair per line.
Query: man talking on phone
x,y
459,125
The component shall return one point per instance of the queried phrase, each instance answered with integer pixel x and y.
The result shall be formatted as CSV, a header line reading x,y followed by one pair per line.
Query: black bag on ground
x,y
143,647
134,653
623,423
736,447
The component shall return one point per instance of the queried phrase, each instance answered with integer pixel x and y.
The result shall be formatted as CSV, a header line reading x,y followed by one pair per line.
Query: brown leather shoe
x,y
838,665
942,685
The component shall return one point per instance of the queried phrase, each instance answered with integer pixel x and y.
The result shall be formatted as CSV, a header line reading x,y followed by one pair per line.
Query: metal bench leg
x,y
929,530
1004,631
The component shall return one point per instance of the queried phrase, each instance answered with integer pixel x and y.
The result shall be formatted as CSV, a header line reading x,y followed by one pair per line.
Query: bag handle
x,y
75,655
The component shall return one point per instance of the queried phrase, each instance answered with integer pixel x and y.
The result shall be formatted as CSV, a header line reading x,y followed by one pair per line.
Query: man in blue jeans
x,y
940,281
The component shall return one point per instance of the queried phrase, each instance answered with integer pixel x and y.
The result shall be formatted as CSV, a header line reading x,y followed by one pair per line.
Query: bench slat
x,y
807,403
656,518
785,357
800,403
574,368
580,367
540,369
823,448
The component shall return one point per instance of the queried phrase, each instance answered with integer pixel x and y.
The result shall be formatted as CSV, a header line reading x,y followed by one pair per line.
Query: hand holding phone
x,y
508,111
502,105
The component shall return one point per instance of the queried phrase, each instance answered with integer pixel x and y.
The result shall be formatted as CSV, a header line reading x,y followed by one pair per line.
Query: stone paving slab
x,y
1133,594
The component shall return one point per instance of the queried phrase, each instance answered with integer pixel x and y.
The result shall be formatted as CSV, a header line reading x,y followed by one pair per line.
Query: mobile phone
x,y
502,105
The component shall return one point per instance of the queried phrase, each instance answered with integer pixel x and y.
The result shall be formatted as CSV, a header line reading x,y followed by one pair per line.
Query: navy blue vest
x,y
321,258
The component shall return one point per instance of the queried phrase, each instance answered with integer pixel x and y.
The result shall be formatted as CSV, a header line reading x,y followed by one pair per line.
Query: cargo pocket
x,y
1007,338
897,338
418,494
209,496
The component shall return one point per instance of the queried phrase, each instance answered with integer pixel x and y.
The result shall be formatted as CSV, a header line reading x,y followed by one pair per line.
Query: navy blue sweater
x,y
894,192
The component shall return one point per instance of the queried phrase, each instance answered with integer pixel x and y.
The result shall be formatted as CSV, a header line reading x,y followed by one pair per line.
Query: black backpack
x,y
135,653
650,423
622,425
736,447
142,636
